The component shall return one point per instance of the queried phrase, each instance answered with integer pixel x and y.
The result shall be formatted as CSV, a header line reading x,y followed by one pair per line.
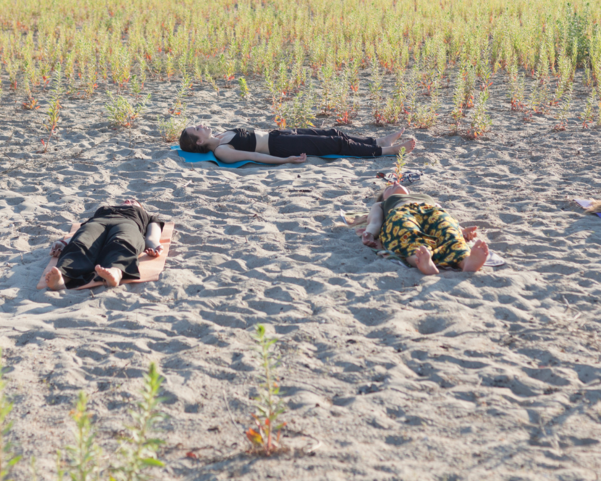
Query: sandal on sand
x,y
410,176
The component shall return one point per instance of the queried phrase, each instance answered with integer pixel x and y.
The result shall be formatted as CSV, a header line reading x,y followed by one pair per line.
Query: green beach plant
x,y
267,430
8,455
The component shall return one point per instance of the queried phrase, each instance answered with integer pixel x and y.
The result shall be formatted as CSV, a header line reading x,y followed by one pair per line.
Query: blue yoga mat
x,y
210,157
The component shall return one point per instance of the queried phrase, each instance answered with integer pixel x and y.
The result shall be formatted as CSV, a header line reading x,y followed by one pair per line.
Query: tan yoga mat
x,y
150,267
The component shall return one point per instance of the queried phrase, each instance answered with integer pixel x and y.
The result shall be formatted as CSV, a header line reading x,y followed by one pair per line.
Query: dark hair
x,y
380,196
187,143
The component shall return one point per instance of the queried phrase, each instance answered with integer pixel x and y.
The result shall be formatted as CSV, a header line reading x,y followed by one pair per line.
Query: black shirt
x,y
398,200
243,140
132,212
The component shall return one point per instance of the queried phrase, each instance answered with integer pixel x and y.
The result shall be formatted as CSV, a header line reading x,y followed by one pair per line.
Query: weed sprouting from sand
x,y
243,87
481,121
265,436
588,114
171,128
564,109
121,112
53,113
8,457
399,164
83,458
138,450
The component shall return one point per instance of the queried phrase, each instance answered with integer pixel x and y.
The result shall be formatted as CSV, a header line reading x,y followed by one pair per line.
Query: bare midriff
x,y
262,141
261,135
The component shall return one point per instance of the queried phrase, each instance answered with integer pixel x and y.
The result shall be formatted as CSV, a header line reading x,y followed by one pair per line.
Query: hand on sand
x,y
112,276
56,249
469,233
156,252
297,159
54,280
476,259
368,239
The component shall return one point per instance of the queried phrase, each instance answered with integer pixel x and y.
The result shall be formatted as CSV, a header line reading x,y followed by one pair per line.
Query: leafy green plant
x,y
458,97
265,436
298,113
399,164
121,112
138,450
243,87
564,109
53,113
83,458
8,457
171,128
481,122
588,114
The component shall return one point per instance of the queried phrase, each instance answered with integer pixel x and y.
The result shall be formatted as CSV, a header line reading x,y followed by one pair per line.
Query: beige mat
x,y
150,267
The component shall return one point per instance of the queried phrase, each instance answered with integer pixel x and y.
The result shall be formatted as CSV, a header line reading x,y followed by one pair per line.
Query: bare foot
x,y
422,259
112,275
389,139
54,280
368,239
476,259
395,149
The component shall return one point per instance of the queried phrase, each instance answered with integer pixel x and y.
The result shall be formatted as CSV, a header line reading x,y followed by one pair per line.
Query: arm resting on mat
x,y
153,240
375,219
227,154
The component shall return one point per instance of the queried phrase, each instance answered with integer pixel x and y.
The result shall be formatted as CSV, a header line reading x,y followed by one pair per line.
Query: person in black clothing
x,y
287,146
106,247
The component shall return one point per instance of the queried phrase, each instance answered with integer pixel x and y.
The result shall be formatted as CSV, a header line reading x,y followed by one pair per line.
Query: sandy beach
x,y
388,374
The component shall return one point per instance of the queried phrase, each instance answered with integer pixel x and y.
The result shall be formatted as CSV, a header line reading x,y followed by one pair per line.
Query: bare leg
x,y
476,259
422,259
112,275
390,139
55,280
395,149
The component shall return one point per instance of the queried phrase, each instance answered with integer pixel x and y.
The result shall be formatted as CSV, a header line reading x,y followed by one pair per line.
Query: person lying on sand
x,y
287,146
416,228
107,246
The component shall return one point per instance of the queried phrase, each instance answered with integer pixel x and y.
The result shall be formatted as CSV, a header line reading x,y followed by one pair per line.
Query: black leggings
x,y
284,143
108,241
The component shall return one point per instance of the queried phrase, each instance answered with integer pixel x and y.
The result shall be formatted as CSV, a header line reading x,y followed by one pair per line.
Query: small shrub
x,y
138,450
172,127
83,457
243,87
564,109
588,114
265,437
481,122
123,113
8,457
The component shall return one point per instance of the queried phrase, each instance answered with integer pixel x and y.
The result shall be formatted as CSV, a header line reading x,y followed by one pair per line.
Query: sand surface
x,y
388,374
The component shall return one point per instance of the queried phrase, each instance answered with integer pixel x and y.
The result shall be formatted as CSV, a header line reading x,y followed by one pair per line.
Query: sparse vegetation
x,y
265,435
122,112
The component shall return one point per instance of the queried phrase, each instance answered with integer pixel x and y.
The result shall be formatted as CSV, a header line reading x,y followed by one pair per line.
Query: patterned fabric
x,y
411,226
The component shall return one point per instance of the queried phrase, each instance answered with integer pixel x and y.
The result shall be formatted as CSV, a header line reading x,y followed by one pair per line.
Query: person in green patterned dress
x,y
416,228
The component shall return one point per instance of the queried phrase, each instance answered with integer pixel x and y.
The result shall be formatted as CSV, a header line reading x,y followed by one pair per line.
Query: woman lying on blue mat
x,y
287,146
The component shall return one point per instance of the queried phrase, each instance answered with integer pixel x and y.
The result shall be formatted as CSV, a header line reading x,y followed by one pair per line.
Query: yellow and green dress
x,y
414,220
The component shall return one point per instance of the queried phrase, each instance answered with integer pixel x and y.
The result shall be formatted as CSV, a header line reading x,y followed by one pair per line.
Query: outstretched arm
x,y
375,219
153,240
227,154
